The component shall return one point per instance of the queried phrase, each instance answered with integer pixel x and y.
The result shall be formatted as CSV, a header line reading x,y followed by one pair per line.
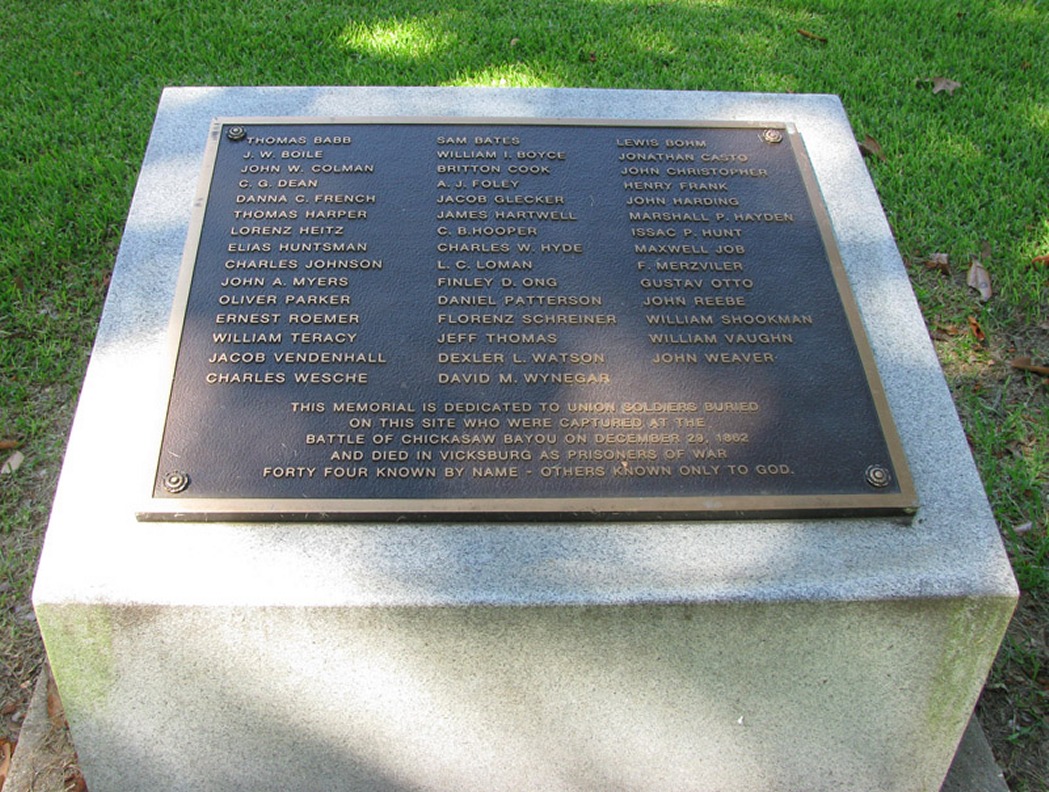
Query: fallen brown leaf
x,y
74,781
9,445
813,36
979,279
1041,259
941,84
938,261
1026,364
55,711
870,147
1017,449
12,463
7,748
976,330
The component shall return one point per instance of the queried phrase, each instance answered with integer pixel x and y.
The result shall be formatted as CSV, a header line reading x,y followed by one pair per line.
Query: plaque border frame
x,y
576,509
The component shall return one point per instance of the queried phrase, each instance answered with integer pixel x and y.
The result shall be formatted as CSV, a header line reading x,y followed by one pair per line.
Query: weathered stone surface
x,y
775,655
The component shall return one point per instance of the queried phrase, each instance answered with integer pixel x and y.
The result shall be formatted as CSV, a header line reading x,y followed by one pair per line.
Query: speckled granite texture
x,y
777,655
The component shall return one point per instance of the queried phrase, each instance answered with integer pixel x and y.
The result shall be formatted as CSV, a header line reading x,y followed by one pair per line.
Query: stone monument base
x,y
797,654
45,759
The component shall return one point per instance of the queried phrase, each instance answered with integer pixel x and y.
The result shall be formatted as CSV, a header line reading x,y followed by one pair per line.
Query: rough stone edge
x,y
973,768
44,752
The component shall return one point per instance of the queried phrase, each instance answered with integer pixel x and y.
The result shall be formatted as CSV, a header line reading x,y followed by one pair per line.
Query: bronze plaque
x,y
497,318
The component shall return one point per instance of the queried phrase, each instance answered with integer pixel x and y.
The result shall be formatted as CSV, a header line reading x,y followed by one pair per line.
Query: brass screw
x,y
175,481
236,133
878,476
772,136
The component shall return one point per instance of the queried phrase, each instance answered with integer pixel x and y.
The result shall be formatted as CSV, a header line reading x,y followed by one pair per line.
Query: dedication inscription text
x,y
499,317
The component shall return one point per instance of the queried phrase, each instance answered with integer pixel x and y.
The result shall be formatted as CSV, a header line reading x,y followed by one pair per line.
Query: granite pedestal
x,y
815,654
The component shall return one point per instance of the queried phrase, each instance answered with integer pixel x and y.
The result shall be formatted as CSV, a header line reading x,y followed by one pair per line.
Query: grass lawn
x,y
956,95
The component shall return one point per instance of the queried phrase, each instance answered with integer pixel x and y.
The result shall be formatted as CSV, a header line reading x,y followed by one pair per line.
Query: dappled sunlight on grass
x,y
512,75
1039,117
658,44
1022,13
955,148
1043,238
611,43
415,37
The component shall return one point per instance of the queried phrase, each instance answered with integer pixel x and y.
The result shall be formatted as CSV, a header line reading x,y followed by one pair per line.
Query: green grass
x,y
1011,445
79,83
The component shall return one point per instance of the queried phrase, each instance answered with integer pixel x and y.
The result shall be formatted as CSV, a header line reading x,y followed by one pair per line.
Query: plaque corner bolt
x,y
878,476
175,482
772,136
236,133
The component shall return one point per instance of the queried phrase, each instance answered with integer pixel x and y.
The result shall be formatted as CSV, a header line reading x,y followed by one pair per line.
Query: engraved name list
x,y
518,317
